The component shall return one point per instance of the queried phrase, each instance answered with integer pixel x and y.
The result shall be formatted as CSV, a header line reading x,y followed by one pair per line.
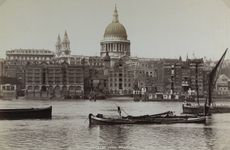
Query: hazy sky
x,y
156,28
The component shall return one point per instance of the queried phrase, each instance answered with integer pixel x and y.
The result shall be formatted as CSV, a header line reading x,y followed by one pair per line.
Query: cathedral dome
x,y
115,29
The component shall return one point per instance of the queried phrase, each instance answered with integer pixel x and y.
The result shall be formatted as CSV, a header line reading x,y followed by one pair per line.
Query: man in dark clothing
x,y
119,110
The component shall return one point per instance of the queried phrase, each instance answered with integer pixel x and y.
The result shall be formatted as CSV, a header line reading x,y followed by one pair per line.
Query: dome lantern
x,y
115,15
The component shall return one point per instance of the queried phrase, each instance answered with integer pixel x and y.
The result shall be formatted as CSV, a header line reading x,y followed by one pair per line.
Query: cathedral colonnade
x,y
118,48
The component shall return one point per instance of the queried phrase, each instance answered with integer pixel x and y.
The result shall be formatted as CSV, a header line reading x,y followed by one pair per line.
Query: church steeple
x,y
115,15
66,44
106,63
66,38
58,45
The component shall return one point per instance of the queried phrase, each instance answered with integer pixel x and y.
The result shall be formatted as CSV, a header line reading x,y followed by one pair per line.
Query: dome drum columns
x,y
121,48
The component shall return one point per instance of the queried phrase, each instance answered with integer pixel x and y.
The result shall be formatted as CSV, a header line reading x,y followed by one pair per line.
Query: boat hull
x,y
28,113
200,109
109,121
181,120
94,120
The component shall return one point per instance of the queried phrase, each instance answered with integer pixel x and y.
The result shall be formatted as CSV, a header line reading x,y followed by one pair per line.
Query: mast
x,y
213,75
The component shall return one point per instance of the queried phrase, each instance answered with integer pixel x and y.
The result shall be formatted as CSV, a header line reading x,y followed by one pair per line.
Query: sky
x,y
156,28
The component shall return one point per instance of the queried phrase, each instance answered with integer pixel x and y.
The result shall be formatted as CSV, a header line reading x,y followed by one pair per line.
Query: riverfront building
x,y
29,55
58,74
222,88
2,61
172,73
17,59
54,80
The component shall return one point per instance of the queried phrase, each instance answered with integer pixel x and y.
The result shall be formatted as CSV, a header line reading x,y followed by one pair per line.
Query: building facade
x,y
121,78
2,72
222,87
196,67
7,91
29,55
43,73
61,76
172,74
54,80
146,74
17,59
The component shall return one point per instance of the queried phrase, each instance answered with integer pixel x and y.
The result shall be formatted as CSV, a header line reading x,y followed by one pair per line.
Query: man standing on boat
x,y
119,110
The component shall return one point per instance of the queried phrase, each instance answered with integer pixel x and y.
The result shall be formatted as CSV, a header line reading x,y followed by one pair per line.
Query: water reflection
x,y
69,129
113,137
209,137
25,136
150,137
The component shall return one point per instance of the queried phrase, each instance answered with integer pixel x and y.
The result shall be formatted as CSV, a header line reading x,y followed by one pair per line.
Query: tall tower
x,y
115,39
66,44
106,60
58,46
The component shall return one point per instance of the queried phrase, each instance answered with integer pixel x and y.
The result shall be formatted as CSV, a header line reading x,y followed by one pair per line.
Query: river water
x,y
69,128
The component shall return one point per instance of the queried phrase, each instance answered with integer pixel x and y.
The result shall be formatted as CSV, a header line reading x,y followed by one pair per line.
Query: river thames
x,y
69,129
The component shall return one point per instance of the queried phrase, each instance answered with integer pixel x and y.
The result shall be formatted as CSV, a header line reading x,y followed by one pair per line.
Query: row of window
x,y
57,88
223,88
118,74
28,73
116,85
28,58
111,79
53,82
29,51
8,88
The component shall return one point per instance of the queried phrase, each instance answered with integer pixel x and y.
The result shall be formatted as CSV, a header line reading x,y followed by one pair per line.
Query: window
x,y
120,85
